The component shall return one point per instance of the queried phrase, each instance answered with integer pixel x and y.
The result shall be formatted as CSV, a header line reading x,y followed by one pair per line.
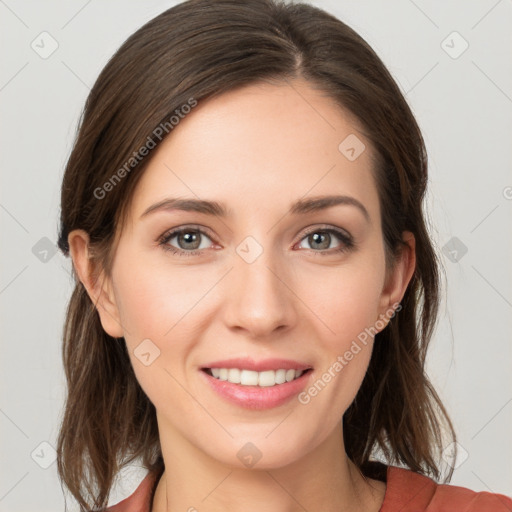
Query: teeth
x,y
234,375
280,376
248,378
251,378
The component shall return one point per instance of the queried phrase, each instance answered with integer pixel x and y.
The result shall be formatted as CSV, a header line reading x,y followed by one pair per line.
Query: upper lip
x,y
245,363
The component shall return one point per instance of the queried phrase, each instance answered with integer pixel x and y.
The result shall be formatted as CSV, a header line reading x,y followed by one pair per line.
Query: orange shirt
x,y
406,491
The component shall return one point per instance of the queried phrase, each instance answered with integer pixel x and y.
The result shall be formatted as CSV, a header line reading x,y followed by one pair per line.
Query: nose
x,y
259,296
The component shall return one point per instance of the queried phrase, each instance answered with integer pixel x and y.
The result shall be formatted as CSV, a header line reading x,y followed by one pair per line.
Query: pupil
x,y
317,239
191,238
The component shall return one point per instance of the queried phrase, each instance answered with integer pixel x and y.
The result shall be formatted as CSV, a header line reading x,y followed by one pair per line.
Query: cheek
x,y
169,305
344,307
152,300
346,301
153,304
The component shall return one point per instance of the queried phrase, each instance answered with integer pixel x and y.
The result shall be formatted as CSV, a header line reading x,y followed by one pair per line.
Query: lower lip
x,y
256,397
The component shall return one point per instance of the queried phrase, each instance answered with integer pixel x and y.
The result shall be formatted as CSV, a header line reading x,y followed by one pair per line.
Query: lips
x,y
251,392
245,363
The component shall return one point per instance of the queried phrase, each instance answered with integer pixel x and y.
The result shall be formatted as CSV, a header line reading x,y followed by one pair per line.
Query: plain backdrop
x,y
451,59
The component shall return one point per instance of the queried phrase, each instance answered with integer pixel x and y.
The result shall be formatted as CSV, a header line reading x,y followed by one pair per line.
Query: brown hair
x,y
199,49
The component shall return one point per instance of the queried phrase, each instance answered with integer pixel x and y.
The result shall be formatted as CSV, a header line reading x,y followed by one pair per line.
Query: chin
x,y
258,452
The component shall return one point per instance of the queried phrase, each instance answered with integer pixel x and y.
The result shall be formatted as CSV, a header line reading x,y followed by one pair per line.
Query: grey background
x,y
463,102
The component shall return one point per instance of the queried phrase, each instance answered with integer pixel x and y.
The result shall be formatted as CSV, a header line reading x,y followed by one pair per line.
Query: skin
x,y
256,149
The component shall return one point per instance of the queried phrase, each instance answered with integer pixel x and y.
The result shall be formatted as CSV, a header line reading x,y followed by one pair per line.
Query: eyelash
x,y
347,242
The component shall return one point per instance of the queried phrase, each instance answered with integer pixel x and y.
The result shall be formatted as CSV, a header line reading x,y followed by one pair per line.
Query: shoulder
x,y
407,490
139,501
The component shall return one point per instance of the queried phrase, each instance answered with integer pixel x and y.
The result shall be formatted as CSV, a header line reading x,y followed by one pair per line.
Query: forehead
x,y
262,145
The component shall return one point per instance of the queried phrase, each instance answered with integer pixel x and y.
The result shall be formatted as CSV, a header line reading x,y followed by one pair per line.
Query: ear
x,y
398,278
98,285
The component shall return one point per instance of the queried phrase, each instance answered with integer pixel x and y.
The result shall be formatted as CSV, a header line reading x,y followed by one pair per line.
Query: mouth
x,y
267,378
264,385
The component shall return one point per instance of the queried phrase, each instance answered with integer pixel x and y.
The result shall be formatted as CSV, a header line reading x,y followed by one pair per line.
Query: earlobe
x,y
97,284
400,275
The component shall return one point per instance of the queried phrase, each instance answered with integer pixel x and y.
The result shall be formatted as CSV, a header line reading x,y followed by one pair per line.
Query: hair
x,y
196,50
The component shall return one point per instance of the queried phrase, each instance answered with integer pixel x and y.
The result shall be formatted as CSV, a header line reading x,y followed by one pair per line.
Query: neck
x,y
324,479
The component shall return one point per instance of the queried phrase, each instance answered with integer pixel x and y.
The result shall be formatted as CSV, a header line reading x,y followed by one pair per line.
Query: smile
x,y
257,390
266,378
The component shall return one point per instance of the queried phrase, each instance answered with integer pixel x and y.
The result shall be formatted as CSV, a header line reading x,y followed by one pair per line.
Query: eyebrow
x,y
216,209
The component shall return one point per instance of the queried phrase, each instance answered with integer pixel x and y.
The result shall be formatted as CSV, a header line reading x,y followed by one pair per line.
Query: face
x,y
265,280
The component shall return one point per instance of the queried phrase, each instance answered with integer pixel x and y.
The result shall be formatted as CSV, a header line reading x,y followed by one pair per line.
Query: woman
x,y
271,359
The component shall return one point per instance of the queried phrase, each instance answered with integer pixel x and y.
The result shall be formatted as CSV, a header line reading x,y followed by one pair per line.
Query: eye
x,y
188,239
321,239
